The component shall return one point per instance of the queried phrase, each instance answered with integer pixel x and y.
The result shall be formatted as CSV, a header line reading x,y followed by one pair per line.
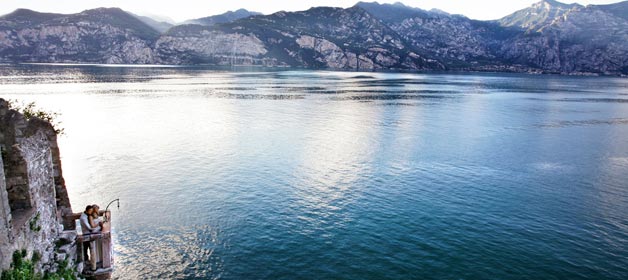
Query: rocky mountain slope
x,y
618,9
538,15
319,38
548,37
592,39
453,40
98,36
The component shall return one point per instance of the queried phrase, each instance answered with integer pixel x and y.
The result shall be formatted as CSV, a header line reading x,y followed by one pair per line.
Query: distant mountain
x,y
319,37
538,15
618,9
103,35
548,37
394,12
223,18
438,11
21,18
583,40
454,40
160,26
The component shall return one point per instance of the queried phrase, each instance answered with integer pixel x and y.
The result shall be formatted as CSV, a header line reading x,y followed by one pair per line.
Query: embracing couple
x,y
90,220
92,224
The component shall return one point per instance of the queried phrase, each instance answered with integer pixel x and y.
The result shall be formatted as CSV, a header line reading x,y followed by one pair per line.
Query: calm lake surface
x,y
257,174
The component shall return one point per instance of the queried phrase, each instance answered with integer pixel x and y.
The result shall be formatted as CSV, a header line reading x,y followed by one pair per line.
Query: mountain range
x,y
548,37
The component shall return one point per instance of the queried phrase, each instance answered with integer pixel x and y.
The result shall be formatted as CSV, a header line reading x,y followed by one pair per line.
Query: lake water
x,y
254,174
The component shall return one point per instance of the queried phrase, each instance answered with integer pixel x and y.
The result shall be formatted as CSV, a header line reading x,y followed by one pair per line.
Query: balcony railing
x,y
95,250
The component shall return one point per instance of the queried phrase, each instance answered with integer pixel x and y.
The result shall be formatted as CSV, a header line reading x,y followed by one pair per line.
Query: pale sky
x,y
180,10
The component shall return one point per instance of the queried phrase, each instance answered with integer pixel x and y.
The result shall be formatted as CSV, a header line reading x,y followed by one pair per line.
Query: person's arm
x,y
96,224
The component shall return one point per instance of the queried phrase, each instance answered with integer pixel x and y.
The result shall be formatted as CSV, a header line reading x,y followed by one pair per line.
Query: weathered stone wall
x,y
33,197
5,222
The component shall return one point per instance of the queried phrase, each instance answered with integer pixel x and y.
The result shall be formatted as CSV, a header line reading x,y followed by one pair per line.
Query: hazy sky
x,y
180,10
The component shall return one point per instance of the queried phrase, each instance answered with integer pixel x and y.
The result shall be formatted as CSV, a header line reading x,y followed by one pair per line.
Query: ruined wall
x,y
5,222
33,197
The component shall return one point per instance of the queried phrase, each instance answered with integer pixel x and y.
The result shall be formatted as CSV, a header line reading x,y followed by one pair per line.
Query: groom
x,y
88,229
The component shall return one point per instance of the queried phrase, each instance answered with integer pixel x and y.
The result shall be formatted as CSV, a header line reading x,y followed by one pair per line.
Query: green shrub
x,y
36,257
64,272
22,269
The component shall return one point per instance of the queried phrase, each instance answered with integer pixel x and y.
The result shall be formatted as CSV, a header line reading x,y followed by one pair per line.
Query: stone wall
x,y
33,197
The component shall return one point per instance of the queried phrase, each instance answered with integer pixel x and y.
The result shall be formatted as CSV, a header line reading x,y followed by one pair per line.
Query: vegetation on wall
x,y
24,269
30,110
33,223
20,268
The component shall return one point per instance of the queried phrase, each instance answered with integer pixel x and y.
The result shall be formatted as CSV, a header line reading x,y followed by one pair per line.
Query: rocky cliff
x,y
329,38
582,40
453,40
195,44
547,37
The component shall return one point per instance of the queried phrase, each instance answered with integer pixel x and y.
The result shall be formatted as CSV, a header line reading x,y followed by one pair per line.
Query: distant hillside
x,y
160,26
538,15
619,9
223,18
103,35
22,18
581,40
454,40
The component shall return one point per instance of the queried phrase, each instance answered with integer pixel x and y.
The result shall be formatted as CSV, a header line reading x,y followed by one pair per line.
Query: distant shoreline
x,y
280,68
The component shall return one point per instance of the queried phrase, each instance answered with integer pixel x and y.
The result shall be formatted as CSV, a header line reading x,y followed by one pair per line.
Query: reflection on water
x,y
262,174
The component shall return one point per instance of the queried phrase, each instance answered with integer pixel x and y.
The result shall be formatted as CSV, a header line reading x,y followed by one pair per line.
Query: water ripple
x,y
268,174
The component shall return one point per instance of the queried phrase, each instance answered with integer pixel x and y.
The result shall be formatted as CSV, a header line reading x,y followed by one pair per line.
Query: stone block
x,y
54,268
60,256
